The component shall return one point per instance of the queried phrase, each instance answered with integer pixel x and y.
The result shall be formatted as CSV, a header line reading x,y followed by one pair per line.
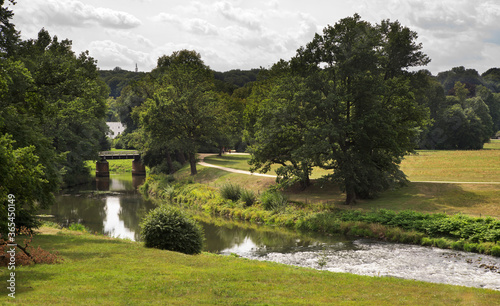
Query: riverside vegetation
x,y
456,231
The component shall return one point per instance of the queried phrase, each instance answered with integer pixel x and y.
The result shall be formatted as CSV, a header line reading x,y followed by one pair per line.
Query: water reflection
x,y
109,206
231,238
114,224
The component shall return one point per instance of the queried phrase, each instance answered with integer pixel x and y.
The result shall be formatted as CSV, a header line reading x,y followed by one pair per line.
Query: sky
x,y
242,34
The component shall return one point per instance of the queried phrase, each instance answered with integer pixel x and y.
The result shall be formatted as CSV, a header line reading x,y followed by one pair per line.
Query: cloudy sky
x,y
237,34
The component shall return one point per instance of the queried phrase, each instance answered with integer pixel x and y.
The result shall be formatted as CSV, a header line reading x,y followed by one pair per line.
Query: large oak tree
x,y
359,114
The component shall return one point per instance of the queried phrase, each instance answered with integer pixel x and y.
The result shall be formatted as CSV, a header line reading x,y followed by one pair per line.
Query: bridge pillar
x,y
138,168
102,168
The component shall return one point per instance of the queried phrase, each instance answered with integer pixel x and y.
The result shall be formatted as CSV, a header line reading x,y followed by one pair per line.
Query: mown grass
x,y
455,166
472,199
104,271
426,165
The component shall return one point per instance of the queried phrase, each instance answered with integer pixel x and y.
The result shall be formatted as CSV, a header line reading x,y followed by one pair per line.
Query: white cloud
x,y
128,37
192,25
110,54
75,13
249,18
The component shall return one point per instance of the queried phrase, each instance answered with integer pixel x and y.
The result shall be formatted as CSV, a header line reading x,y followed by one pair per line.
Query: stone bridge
x,y
102,165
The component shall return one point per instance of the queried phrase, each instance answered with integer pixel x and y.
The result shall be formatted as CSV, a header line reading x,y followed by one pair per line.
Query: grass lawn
x,y
456,166
104,271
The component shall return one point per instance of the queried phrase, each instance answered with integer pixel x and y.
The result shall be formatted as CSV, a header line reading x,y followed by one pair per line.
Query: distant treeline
x,y
227,81
231,80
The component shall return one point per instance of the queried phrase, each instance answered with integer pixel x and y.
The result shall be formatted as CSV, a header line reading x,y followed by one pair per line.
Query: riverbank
x,y
458,232
123,272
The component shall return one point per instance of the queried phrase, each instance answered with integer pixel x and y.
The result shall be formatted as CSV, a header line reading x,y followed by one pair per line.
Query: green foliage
x,y
248,197
345,104
77,227
118,78
183,111
168,228
273,200
23,185
231,191
435,225
495,250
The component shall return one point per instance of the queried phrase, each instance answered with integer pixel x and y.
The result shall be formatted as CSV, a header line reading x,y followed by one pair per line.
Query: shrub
x,y
470,247
77,227
442,243
273,200
495,250
167,228
230,191
247,197
169,193
458,245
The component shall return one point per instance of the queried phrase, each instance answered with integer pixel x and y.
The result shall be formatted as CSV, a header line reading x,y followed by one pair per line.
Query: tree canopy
x,y
183,111
362,116
52,108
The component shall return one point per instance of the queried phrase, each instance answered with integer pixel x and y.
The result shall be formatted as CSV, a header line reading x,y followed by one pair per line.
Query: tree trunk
x,y
305,179
192,162
180,157
169,163
350,197
350,192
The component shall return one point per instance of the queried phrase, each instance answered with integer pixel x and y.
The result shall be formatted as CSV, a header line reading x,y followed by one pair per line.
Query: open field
x,y
456,166
119,272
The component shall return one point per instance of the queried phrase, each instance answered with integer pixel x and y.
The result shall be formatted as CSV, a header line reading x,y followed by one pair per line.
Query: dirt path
x,y
203,163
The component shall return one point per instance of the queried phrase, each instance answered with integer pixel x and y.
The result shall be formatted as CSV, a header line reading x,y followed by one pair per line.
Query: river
x,y
113,207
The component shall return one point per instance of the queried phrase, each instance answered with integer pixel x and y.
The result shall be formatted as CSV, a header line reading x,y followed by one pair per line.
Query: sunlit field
x,y
426,165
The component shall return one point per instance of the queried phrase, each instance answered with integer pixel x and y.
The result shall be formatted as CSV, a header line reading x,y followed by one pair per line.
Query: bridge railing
x,y
118,153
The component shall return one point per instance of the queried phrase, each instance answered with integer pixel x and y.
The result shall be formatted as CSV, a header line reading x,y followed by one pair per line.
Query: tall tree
x,y
73,98
283,126
183,111
368,116
9,36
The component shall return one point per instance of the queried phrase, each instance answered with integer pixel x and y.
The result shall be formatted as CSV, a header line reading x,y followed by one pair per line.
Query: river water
x,y
113,207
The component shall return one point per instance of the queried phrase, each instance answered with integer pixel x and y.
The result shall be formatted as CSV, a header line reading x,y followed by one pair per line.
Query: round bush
x,y
168,228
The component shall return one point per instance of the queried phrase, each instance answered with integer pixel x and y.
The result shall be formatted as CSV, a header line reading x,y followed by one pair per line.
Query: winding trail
x,y
203,163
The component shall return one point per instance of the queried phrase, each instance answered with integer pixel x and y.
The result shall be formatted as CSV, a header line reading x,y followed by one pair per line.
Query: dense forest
x,y
52,111
350,102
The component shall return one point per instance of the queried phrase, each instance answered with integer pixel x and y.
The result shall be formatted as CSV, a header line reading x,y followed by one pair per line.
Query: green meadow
x,y
102,271
440,181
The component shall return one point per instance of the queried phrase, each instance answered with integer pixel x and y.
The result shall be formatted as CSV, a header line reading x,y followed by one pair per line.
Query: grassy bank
x,y
319,208
459,232
102,271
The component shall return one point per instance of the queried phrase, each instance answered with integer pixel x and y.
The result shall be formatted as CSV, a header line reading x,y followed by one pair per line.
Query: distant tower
x,y
136,69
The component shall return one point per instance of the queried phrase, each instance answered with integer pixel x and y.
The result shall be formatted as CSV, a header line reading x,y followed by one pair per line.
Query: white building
x,y
116,129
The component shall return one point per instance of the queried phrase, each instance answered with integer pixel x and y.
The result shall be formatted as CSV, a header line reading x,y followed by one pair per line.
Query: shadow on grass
x,y
229,161
429,197
63,244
